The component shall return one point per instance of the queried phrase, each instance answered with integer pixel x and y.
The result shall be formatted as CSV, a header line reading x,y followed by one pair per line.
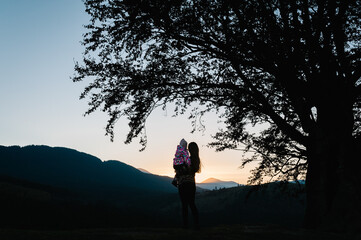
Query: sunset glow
x,y
40,104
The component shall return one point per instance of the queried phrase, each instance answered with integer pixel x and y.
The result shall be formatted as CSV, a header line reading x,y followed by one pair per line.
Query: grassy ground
x,y
234,232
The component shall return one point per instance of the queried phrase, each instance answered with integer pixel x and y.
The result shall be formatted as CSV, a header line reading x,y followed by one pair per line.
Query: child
x,y
181,159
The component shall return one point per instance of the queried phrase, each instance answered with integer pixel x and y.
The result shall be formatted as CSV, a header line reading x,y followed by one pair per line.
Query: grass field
x,y
225,232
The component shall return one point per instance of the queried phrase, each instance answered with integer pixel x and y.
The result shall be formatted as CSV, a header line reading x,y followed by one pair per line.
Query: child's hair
x,y
183,143
194,154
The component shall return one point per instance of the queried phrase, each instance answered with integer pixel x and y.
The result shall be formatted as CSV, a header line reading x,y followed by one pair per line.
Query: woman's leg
x,y
187,194
192,205
183,193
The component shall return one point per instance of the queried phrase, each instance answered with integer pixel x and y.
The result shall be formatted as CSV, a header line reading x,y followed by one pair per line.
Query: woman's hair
x,y
194,152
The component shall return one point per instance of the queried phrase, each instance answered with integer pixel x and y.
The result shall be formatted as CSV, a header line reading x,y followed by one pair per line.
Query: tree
x,y
291,65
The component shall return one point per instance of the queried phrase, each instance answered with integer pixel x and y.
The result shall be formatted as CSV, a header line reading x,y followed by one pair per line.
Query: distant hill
x,y
143,170
213,183
70,169
211,180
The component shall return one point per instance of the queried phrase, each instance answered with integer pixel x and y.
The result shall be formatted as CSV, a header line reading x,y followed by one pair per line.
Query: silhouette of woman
x,y
186,184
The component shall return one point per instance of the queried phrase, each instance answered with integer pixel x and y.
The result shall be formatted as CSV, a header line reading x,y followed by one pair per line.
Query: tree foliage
x,y
290,65
260,61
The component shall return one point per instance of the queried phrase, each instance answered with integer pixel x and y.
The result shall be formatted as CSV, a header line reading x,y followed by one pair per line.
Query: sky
x,y
40,41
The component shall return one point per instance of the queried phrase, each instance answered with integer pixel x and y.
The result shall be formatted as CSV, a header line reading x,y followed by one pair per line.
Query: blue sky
x,y
39,104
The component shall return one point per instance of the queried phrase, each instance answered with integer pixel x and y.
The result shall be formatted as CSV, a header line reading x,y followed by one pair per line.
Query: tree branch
x,y
267,109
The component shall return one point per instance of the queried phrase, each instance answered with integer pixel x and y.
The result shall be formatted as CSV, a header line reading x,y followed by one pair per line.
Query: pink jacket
x,y
181,156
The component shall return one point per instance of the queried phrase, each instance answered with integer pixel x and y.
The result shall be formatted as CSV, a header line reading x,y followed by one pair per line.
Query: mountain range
x,y
70,169
55,187
214,184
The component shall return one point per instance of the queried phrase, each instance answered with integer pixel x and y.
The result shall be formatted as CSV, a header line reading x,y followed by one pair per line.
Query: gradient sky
x,y
39,104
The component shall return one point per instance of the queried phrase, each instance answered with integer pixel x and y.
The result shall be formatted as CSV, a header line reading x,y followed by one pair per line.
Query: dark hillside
x,y
274,203
70,169
44,187
25,204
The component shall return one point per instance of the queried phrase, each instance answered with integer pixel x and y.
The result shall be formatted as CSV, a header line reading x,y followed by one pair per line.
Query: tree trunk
x,y
332,181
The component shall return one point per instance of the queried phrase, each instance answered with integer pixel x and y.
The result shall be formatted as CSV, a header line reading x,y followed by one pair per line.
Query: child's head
x,y
183,143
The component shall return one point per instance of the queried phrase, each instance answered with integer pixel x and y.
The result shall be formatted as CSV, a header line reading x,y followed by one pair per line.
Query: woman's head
x,y
194,152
